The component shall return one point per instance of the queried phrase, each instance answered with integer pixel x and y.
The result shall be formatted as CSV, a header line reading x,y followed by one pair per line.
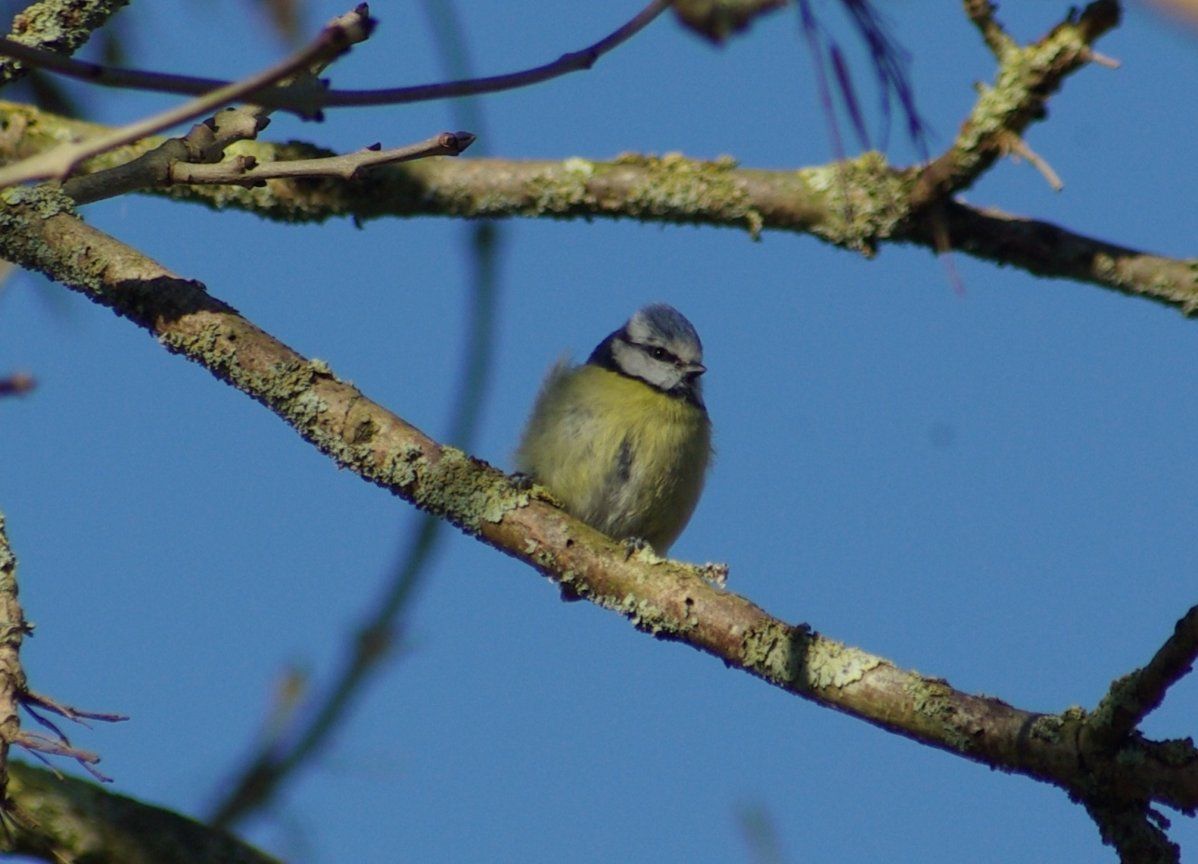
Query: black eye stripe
x,y
658,353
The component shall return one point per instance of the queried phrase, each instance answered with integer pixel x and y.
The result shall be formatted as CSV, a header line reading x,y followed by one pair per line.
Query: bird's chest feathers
x,y
638,427
650,448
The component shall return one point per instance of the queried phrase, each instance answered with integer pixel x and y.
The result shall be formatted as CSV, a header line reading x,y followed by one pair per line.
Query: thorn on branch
x,y
1015,147
1102,60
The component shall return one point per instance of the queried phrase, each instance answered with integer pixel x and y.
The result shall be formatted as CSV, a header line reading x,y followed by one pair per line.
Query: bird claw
x,y
715,573
633,545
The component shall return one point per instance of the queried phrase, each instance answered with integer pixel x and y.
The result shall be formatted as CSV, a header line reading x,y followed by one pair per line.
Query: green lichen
x,y
776,651
679,189
865,200
646,615
833,664
40,201
1050,727
465,489
935,700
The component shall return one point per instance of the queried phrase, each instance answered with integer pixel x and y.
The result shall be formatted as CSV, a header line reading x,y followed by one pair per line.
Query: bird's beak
x,y
694,370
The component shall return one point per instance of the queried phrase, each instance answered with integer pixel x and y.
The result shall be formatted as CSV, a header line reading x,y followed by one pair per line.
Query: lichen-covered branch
x,y
12,677
860,204
59,819
1132,697
670,600
310,101
334,39
1027,77
1044,249
61,26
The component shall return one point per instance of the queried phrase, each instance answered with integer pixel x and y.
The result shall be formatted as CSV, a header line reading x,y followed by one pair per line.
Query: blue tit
x,y
624,440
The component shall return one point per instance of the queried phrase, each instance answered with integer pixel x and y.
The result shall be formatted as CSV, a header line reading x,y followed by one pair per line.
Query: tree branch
x,y
12,677
244,170
860,204
1137,694
334,40
56,26
59,819
667,599
1027,77
308,102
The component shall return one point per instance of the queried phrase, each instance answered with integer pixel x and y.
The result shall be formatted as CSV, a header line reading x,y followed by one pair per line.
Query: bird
x,y
623,440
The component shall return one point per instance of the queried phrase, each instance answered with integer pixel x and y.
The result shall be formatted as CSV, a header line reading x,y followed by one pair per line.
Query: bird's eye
x,y
659,353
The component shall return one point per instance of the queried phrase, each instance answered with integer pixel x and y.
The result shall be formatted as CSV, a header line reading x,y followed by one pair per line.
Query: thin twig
x,y
981,13
70,712
308,102
1027,77
245,171
205,142
334,39
42,746
1015,146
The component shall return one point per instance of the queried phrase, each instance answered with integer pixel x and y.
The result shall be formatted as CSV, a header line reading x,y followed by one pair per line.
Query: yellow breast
x,y
622,456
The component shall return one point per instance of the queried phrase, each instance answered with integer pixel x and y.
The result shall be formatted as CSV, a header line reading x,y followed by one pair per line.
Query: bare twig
x,y
308,102
245,171
205,142
14,690
78,715
44,745
334,39
1015,146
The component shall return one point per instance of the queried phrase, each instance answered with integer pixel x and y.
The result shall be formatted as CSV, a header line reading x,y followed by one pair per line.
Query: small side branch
x,y
1027,77
14,690
245,171
1134,696
981,13
307,102
334,40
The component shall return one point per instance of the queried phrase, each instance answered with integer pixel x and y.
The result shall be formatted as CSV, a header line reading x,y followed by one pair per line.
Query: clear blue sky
x,y
996,486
